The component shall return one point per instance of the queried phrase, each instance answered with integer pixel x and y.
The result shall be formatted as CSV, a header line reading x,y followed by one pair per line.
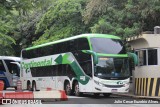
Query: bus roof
x,y
10,58
74,37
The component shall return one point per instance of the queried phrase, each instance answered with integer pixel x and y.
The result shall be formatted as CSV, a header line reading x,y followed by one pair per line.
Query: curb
x,y
46,95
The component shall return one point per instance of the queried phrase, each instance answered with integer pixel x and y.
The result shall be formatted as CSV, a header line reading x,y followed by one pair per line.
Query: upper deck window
x,y
107,46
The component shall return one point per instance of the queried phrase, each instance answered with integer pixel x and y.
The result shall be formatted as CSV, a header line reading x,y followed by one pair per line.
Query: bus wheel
x,y
67,88
96,94
28,86
34,88
106,94
76,89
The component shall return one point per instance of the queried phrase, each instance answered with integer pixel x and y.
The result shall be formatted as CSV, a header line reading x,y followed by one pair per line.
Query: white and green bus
x,y
87,63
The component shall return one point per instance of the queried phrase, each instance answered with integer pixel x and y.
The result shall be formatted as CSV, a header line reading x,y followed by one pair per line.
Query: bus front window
x,y
107,46
108,68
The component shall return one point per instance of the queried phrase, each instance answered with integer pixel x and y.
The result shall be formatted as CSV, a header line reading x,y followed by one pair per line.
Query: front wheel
x,y
107,94
76,89
96,94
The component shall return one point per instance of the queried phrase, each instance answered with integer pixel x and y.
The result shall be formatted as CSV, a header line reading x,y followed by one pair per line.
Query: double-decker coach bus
x,y
87,63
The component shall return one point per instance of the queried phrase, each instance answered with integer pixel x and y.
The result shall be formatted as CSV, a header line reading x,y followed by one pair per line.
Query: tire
x,y
76,90
96,94
29,86
106,94
67,88
34,88
15,88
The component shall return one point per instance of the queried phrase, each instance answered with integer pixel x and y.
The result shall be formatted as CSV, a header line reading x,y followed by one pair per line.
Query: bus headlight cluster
x,y
126,84
98,83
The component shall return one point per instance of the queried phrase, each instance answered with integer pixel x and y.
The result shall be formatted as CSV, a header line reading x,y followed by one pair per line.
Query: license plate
x,y
114,90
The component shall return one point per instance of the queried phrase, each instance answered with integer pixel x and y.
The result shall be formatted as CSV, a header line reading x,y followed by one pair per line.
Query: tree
x,y
62,20
5,29
122,18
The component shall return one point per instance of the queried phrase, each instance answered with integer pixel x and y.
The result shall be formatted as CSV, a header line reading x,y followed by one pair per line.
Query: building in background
x,y
146,77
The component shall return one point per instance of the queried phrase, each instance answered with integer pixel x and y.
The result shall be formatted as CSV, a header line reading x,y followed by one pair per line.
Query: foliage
x,y
62,20
123,18
31,22
6,29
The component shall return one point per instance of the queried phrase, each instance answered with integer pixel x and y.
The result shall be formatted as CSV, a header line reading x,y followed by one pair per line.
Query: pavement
x,y
132,95
129,94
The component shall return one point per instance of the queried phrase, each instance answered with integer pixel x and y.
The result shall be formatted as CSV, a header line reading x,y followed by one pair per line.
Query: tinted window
x,y
152,57
107,46
83,44
55,70
85,61
81,57
2,66
13,68
87,67
68,46
142,57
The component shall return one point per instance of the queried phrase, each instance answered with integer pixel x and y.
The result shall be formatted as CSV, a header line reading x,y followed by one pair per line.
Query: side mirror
x,y
134,57
94,54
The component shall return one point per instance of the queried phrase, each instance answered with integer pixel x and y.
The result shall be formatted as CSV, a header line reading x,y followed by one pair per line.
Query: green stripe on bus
x,y
79,73
112,55
76,68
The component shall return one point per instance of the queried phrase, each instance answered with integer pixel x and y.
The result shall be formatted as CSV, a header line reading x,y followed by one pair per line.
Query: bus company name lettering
x,y
33,63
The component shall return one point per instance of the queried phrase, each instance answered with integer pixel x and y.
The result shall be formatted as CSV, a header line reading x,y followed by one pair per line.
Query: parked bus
x,y
94,63
9,70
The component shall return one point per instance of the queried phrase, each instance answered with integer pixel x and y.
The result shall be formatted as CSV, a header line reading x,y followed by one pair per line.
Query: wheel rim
x,y
28,87
34,87
77,89
68,89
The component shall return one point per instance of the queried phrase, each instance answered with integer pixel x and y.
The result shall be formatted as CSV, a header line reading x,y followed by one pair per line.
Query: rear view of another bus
x,y
9,70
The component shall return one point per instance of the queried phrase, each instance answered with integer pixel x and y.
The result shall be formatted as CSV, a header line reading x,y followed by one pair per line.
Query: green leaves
x,y
31,22
62,20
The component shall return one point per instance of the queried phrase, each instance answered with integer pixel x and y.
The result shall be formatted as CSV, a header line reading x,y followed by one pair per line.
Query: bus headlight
x,y
125,85
98,83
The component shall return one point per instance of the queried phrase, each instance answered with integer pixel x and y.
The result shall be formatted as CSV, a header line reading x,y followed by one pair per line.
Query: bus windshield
x,y
107,46
112,68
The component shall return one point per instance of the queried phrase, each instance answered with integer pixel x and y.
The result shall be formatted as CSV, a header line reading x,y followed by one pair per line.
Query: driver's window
x,y
13,68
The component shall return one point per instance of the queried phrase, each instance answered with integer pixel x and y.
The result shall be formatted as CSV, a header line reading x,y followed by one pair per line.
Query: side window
x,y
147,57
87,67
13,68
83,44
152,57
142,57
2,66
72,45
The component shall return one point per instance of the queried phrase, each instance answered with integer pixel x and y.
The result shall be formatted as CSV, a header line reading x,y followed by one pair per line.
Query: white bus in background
x,y
9,70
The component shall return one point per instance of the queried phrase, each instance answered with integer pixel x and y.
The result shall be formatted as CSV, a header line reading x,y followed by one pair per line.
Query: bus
x,y
87,63
9,70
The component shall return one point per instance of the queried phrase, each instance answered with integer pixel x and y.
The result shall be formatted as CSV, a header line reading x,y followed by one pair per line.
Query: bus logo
x,y
119,82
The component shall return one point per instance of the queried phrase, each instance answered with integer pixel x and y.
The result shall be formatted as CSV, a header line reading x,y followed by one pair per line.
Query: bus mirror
x,y
134,57
94,54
